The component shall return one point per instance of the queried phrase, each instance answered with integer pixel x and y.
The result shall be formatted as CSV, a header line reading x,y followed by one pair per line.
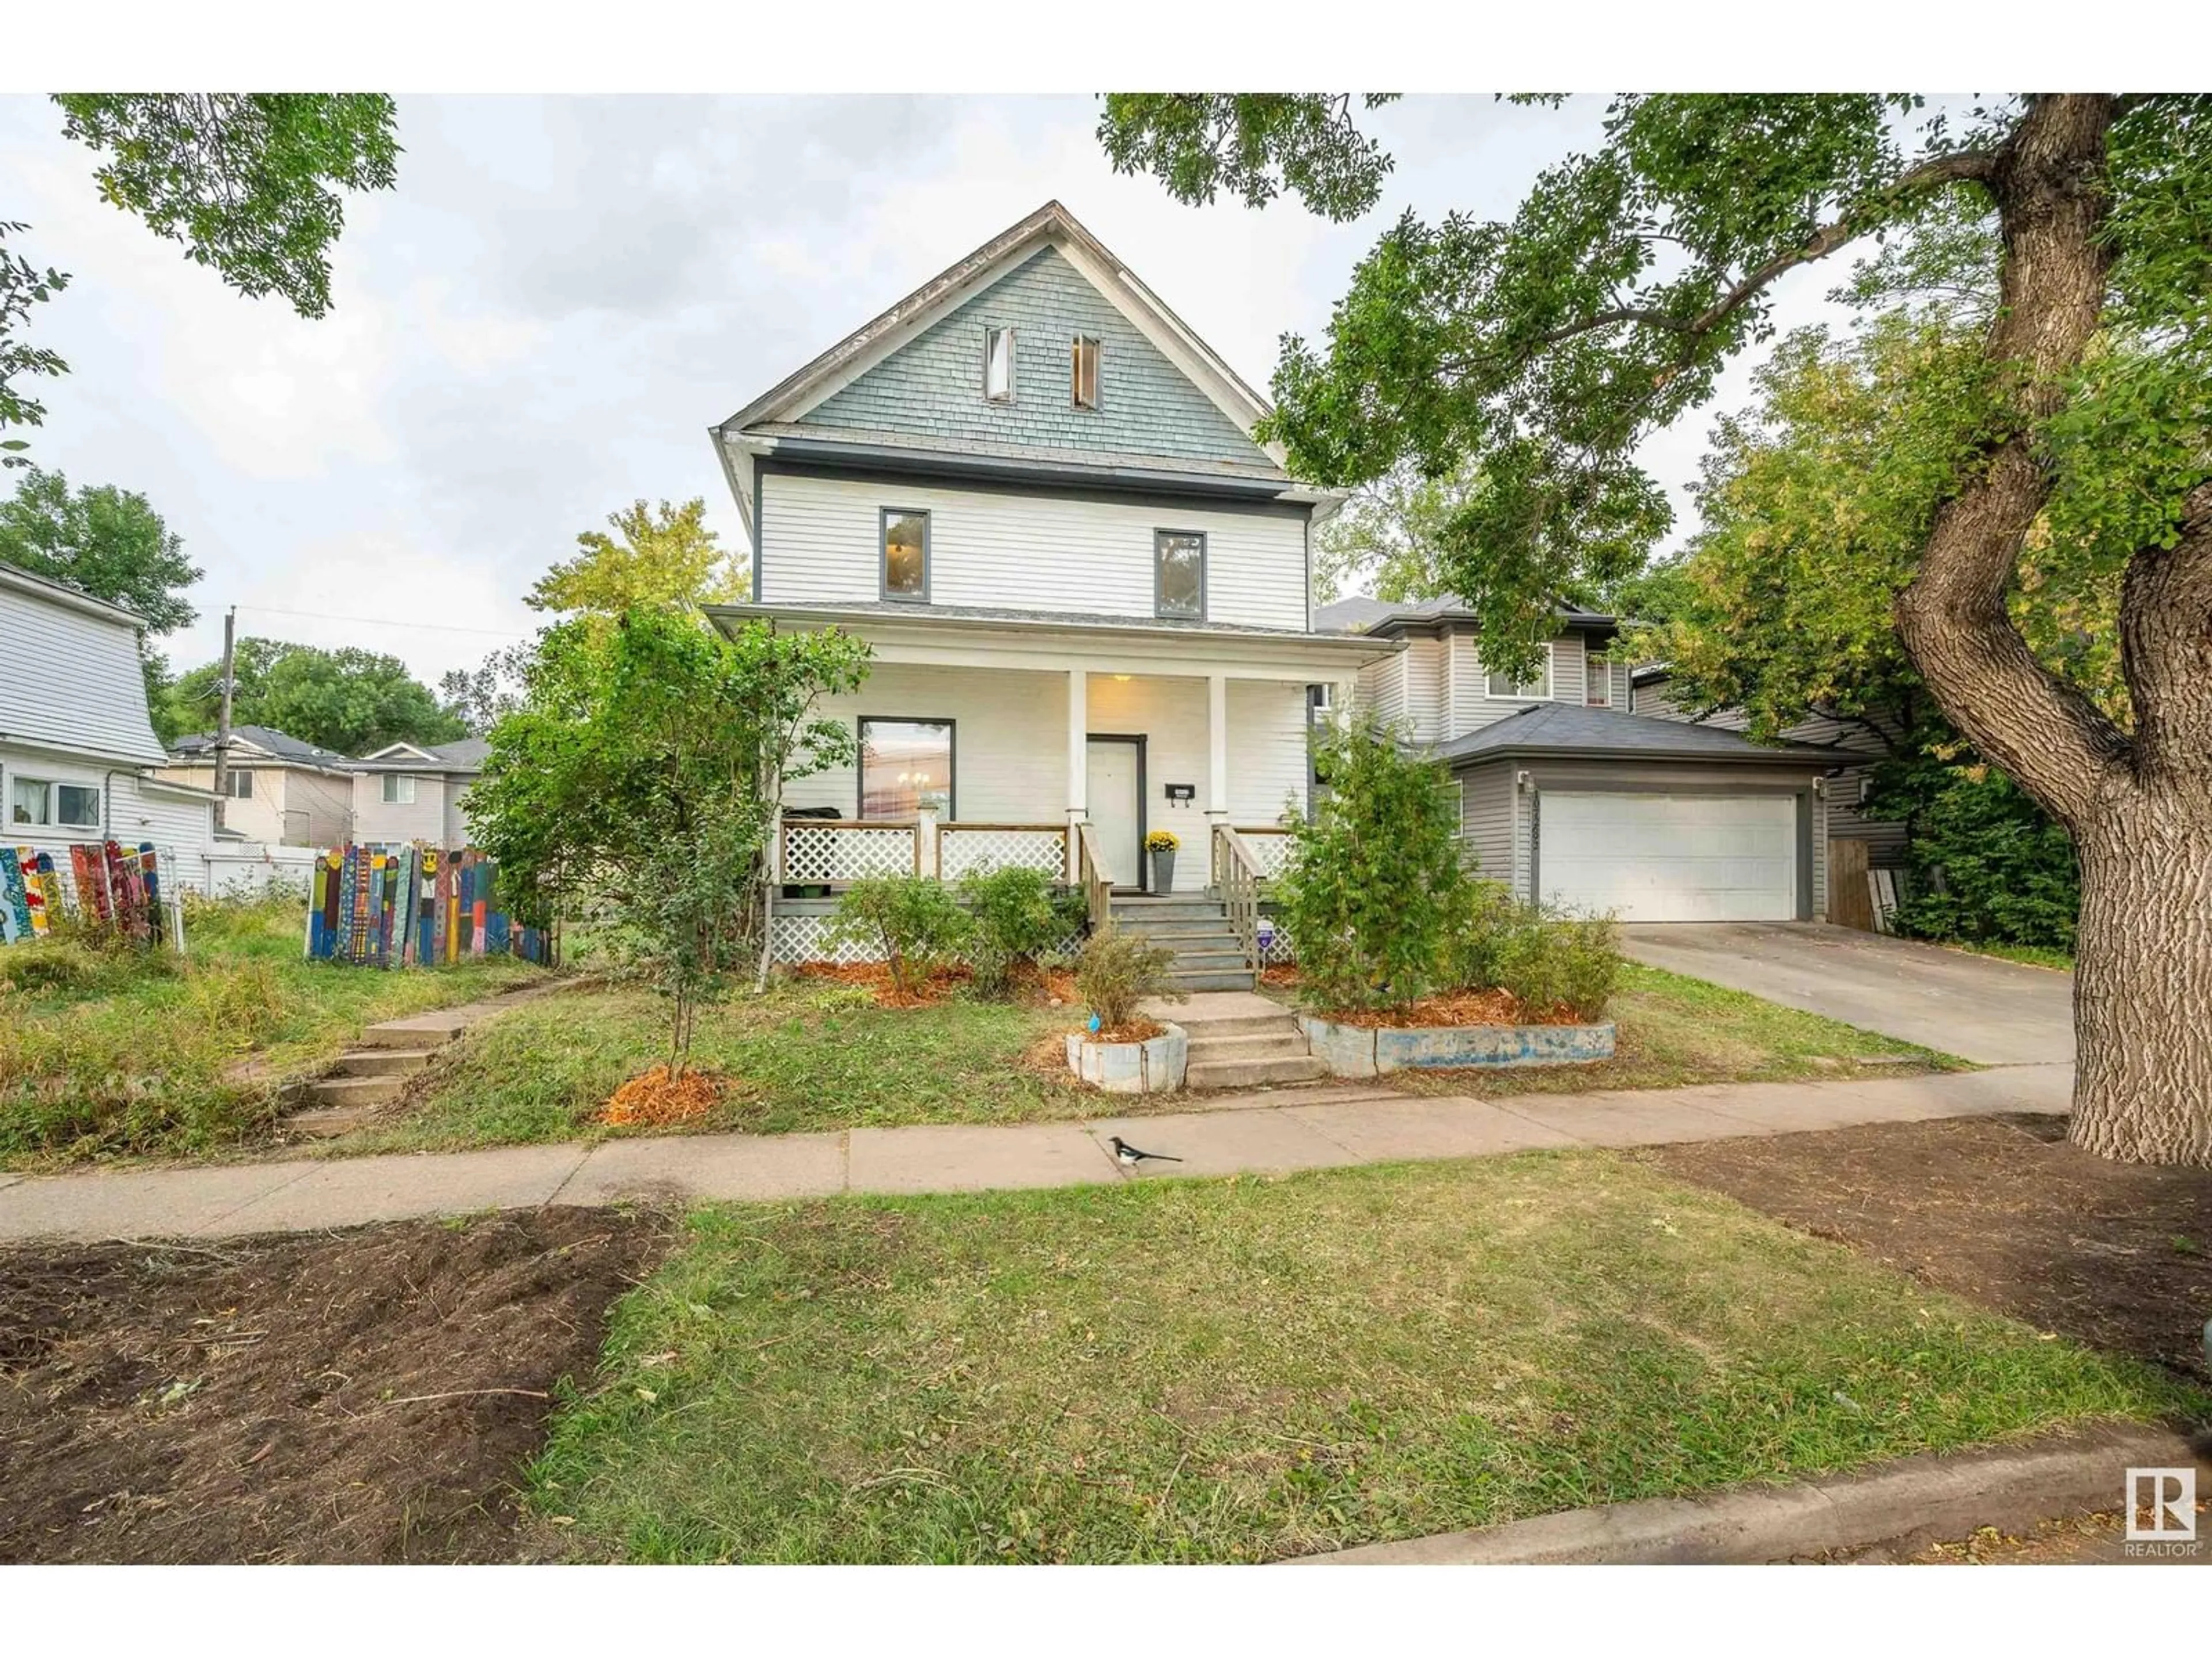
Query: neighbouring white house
x,y
411,792
1035,494
78,749
1570,796
278,789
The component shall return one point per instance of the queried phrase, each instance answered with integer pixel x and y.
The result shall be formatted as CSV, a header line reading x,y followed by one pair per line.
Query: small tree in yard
x,y
1541,351
912,922
1016,922
1375,879
645,766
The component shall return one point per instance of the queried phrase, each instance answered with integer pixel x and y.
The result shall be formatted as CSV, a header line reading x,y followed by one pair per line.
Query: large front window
x,y
906,554
1178,574
906,767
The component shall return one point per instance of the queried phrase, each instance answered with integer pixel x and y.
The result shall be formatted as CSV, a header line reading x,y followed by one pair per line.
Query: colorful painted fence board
x,y
415,906
113,885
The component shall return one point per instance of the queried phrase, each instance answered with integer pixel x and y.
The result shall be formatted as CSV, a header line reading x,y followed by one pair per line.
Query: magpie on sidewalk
x,y
1129,1157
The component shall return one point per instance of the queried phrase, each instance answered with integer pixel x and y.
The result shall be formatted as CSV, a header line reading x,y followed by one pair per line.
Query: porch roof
x,y
1570,729
914,633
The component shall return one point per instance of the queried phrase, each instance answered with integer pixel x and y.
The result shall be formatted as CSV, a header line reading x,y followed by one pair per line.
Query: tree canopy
x,y
350,700
659,555
109,542
249,183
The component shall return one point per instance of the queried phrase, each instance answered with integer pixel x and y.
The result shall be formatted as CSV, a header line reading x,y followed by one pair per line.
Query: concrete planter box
x,y
1154,1066
1362,1051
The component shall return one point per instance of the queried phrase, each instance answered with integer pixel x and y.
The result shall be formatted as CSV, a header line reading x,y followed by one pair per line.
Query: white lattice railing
x,y
965,849
848,849
1270,849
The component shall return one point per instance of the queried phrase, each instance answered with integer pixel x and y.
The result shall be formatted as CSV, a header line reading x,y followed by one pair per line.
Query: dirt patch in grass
x,y
939,984
654,1097
370,1395
2003,1211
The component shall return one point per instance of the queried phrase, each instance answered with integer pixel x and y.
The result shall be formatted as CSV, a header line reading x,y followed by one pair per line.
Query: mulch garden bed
x,y
875,976
363,1396
1464,1007
2000,1210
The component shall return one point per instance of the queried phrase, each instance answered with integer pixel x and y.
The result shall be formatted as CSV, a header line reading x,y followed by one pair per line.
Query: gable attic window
x,y
1086,375
398,789
998,365
1537,689
905,568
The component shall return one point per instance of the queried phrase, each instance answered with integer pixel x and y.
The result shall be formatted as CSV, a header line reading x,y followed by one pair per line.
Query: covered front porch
x,y
988,746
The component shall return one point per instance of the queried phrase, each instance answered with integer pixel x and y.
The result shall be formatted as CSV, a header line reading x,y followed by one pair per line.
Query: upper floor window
x,y
998,365
1178,574
1503,685
905,554
1085,377
398,789
239,786
1597,682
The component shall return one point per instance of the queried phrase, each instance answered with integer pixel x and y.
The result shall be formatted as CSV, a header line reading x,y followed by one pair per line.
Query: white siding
x,y
819,546
458,832
1382,688
1426,682
71,680
141,811
1439,689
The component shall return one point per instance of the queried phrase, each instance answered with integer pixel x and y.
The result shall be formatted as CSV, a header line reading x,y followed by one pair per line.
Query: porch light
x,y
1123,678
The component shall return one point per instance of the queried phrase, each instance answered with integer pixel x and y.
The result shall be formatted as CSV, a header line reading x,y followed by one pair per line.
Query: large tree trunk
x,y
2139,805
2142,987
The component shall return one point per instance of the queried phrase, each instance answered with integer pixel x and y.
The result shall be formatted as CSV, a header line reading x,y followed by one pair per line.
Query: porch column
x,y
1079,759
1217,748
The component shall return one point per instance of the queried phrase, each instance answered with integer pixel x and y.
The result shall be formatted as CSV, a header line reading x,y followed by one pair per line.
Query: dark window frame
x,y
1204,555
231,780
1075,372
991,332
860,725
883,589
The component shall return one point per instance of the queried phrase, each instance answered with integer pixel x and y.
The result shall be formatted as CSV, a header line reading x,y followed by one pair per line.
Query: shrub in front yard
x,y
1549,961
912,922
1118,970
1374,882
1014,923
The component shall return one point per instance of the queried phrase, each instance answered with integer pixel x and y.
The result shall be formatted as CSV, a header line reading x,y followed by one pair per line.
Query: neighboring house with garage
x,y
1035,494
279,790
77,749
1568,796
411,792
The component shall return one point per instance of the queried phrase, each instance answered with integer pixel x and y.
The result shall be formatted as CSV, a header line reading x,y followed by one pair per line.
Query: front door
x,y
1116,795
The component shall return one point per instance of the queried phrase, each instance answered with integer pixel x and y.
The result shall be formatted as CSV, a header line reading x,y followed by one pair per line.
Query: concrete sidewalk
x,y
1316,1127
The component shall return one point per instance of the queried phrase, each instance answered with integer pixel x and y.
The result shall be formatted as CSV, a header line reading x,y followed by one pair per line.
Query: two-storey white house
x,y
1035,494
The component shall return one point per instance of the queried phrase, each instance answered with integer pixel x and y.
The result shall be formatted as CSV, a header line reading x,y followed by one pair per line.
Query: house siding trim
x,y
925,469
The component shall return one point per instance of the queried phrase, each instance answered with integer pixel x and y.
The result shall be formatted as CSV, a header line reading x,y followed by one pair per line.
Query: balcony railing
x,y
831,852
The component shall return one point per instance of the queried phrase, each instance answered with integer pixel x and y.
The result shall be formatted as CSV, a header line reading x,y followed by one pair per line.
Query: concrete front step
x,y
1207,1045
382,1062
1242,979
1252,1073
417,1030
356,1090
328,1122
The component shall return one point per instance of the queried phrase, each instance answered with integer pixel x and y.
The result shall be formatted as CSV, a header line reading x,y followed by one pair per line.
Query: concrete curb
x,y
1905,1505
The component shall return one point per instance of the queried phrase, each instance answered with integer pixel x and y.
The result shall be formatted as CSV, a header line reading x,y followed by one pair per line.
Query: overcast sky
x,y
540,323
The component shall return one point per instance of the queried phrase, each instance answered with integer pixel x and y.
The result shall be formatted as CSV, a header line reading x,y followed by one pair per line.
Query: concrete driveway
x,y
1992,1012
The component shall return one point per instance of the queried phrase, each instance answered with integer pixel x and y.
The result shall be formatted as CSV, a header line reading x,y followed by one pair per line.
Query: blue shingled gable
x,y
932,386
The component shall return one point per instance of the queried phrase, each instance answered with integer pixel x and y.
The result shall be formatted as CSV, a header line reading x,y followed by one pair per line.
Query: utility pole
x,y
222,720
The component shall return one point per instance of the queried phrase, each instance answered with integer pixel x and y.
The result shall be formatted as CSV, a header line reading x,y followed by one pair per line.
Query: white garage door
x,y
1670,858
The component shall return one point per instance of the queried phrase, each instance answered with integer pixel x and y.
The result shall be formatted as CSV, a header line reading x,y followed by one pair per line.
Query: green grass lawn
x,y
2035,956
805,1055
1675,1032
1245,1369
808,1056
104,1054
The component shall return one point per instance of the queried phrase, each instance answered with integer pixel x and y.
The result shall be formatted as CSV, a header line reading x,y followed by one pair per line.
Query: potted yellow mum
x,y
1161,844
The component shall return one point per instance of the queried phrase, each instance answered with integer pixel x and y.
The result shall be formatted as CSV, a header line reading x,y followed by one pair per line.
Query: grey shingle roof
x,y
462,755
1563,728
282,745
